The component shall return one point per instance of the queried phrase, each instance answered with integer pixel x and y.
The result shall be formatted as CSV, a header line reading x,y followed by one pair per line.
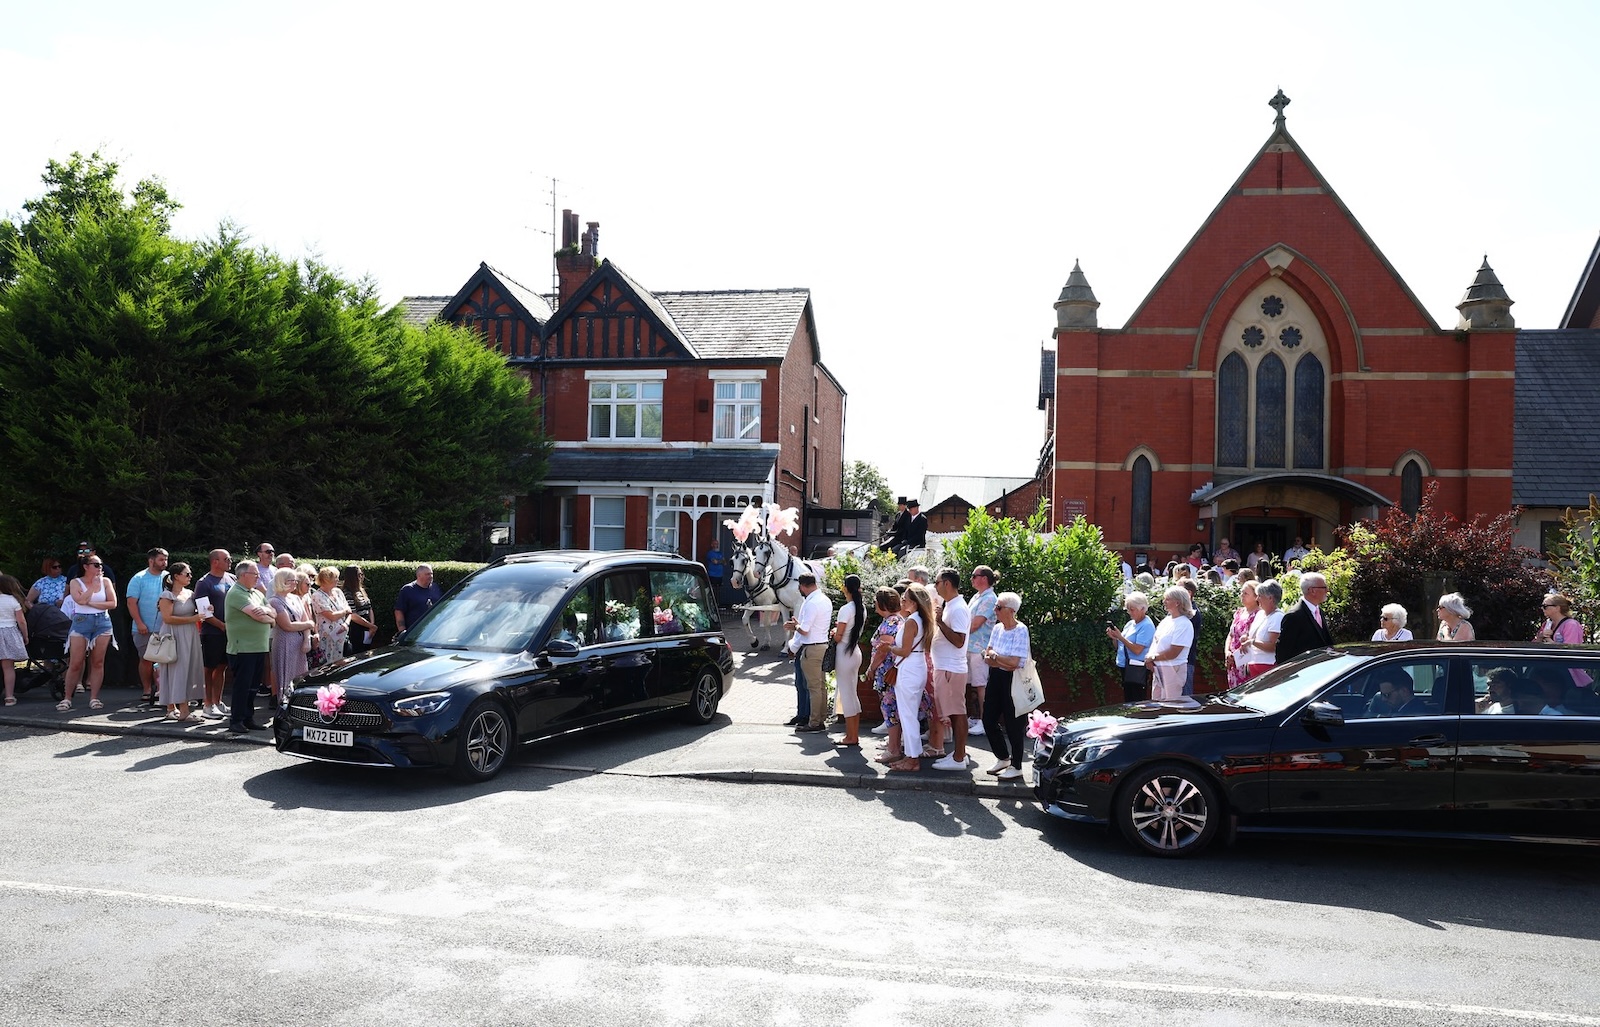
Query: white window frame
x,y
596,525
751,434
609,382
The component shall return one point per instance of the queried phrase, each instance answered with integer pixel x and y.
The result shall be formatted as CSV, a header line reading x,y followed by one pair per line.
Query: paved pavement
x,y
747,742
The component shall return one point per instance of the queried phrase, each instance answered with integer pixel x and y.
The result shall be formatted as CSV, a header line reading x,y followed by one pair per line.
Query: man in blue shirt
x,y
144,606
415,599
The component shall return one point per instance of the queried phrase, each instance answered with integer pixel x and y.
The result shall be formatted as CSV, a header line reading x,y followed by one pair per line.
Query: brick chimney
x,y
576,259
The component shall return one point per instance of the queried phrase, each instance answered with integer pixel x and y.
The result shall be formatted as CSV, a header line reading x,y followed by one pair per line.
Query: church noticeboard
x,y
1072,509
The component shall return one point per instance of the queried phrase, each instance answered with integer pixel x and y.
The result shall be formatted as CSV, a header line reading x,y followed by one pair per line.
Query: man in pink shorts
x,y
950,665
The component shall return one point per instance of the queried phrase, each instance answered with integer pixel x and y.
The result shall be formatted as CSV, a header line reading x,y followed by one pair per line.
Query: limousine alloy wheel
x,y
703,700
1169,810
485,742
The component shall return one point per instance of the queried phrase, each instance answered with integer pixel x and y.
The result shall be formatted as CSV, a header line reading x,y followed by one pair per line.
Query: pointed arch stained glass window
x,y
1233,412
1308,379
1411,487
1271,406
1139,509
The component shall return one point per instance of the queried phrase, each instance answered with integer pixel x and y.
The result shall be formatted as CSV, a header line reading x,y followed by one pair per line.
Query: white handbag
x,y
1027,692
162,648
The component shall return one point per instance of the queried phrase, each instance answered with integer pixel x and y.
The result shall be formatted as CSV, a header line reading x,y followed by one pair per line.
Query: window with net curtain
x,y
738,411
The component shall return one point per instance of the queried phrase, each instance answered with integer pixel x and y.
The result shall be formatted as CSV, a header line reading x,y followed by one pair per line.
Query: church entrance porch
x,y
1276,508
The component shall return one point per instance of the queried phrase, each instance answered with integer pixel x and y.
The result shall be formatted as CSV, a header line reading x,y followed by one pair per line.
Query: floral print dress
x,y
1239,640
890,629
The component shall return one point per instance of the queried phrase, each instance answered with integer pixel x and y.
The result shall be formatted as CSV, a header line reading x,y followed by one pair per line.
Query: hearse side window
x,y
622,596
678,603
576,623
1535,688
1395,688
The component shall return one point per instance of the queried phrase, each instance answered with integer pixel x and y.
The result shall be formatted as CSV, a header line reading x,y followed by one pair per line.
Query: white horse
x,y
770,581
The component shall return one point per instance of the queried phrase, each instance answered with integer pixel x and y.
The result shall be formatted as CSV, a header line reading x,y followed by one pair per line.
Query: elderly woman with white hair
x,y
1009,648
1265,629
1132,642
1168,654
1453,623
291,630
1392,625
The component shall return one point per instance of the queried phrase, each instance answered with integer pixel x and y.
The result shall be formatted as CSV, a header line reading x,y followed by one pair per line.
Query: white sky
x,y
928,171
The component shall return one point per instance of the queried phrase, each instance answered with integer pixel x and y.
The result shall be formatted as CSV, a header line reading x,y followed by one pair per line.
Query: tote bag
x,y
162,648
1027,693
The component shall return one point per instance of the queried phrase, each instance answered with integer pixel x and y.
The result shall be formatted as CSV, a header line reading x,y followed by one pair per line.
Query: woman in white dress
x,y
911,660
184,679
1169,651
847,661
1264,629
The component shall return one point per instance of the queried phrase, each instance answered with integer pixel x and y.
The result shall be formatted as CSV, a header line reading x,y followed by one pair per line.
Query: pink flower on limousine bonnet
x,y
330,700
1041,724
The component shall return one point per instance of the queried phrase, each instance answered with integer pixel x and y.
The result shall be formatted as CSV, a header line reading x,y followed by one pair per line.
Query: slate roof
x,y
534,302
750,323
666,466
1555,446
422,310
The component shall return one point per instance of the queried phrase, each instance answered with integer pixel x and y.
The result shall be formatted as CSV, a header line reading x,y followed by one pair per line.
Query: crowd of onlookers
x,y
936,656
239,631
1158,660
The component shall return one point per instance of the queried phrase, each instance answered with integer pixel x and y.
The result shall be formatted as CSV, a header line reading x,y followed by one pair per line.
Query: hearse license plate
x,y
325,736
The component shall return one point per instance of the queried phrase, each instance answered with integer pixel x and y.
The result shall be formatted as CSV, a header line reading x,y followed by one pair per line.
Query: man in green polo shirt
x,y
249,620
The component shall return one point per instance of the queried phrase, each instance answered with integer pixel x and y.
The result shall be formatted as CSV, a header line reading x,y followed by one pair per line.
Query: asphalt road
x,y
158,881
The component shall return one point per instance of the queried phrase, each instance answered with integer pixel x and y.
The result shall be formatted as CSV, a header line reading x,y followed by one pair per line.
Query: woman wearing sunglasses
x,y
93,597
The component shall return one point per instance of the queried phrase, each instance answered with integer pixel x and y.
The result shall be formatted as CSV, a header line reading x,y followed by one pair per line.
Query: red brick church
x,y
1278,380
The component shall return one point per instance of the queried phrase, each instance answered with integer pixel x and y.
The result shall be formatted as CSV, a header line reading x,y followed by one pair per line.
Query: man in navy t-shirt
x,y
415,599
214,632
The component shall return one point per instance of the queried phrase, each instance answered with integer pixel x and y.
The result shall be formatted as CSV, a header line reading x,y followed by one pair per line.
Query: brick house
x,y
1279,379
669,411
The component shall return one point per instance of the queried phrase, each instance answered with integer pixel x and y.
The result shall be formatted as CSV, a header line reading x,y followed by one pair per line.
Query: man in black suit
x,y
1304,628
917,528
897,530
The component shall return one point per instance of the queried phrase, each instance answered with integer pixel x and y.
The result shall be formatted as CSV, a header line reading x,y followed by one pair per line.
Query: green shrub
x,y
1070,585
1576,566
385,578
1413,560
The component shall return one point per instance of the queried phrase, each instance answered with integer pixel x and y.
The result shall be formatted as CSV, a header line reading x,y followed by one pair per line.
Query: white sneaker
x,y
881,729
949,763
999,766
1009,774
211,713
974,729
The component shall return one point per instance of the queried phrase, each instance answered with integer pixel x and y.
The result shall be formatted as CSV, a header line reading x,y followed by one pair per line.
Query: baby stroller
x,y
48,628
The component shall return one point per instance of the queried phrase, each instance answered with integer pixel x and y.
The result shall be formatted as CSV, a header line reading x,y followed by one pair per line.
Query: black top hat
x,y
914,501
900,501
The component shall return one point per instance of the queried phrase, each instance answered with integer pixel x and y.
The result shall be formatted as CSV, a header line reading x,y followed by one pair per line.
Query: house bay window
x,y
625,410
738,413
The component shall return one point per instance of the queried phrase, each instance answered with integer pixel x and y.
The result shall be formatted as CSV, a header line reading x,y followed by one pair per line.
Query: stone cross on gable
x,y
1278,103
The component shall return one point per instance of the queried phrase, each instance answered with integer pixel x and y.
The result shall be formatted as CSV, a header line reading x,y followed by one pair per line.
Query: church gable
x,y
1281,200
613,318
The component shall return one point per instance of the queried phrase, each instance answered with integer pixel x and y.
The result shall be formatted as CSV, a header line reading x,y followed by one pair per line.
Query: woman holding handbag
x,y
1134,638
184,678
1008,650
